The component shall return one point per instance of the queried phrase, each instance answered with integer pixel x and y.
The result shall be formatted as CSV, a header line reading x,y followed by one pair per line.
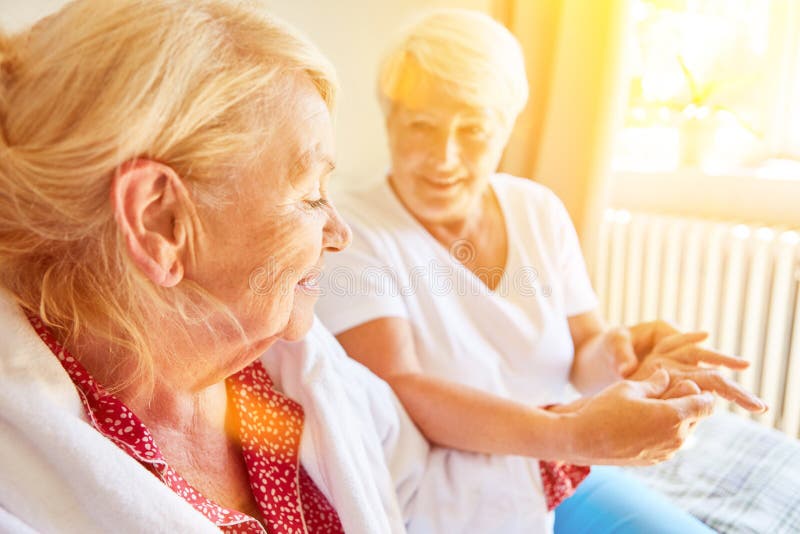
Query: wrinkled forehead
x,y
297,133
293,98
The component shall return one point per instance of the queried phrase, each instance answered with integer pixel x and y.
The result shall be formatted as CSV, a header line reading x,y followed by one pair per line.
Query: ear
x,y
150,205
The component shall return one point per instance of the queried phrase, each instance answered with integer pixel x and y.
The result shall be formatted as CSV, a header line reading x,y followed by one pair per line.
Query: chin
x,y
300,322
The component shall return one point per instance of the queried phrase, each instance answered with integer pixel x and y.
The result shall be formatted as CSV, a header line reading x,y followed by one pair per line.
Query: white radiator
x,y
737,282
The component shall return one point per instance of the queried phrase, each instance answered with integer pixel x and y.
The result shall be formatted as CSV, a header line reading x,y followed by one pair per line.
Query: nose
x,y
336,235
444,151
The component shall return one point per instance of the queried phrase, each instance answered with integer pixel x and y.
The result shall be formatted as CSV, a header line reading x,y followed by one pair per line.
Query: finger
x,y
662,329
619,344
693,407
676,367
727,389
670,343
654,385
672,366
697,355
681,388
627,369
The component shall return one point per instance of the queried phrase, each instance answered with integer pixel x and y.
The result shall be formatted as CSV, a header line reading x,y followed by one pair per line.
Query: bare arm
x,y
447,413
622,425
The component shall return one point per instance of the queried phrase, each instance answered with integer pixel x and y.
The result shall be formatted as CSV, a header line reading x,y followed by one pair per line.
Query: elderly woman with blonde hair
x,y
163,218
467,292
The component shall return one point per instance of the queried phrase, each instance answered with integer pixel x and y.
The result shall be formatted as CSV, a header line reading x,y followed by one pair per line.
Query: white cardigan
x,y
58,474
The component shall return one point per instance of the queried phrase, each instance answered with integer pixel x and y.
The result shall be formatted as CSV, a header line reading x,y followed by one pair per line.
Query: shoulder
x,y
348,370
528,196
319,359
28,367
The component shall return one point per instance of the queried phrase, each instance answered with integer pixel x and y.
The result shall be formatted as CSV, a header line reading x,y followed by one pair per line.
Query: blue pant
x,y
610,500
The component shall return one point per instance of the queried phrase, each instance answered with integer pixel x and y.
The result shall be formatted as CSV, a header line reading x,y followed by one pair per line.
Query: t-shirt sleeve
x,y
358,287
579,296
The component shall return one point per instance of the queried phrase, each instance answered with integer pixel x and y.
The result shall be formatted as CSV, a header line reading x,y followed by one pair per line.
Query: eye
x,y
317,203
420,125
474,130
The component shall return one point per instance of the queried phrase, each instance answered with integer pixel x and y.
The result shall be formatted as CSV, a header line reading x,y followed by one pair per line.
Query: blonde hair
x,y
99,84
474,57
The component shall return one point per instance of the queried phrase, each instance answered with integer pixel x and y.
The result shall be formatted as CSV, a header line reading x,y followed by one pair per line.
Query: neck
x,y
173,399
182,412
477,223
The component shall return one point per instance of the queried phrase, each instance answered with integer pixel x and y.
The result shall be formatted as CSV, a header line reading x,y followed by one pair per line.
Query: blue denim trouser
x,y
611,500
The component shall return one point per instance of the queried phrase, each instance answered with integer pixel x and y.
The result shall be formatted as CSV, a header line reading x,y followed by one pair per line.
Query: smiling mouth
x,y
443,182
309,284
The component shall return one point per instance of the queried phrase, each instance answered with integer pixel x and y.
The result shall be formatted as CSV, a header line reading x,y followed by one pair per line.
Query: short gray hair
x,y
478,60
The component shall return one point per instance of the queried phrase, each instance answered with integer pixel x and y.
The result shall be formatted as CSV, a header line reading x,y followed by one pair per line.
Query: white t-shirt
x,y
514,341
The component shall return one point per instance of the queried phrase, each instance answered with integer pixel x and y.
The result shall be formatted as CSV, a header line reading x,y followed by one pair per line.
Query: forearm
x,y
590,371
460,417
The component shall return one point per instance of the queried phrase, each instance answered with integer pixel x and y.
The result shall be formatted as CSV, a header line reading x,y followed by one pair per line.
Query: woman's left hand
x,y
604,355
659,340
660,346
665,342
626,349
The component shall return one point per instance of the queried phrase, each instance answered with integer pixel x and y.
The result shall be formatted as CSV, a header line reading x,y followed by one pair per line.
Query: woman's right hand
x,y
635,422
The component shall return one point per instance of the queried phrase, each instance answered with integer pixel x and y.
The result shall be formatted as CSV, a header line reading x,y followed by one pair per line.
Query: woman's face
x,y
443,152
263,252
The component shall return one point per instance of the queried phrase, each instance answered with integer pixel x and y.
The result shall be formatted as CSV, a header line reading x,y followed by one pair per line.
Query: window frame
x,y
736,195
690,192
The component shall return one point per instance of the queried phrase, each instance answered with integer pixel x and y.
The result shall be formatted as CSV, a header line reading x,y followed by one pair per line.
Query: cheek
x,y
482,157
408,150
299,245
287,250
280,237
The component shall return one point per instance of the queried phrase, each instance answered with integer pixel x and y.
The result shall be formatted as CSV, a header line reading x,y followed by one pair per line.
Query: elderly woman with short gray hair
x,y
466,290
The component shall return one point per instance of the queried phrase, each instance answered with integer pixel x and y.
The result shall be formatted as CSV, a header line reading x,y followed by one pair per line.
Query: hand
x,y
646,335
625,348
618,351
680,355
629,424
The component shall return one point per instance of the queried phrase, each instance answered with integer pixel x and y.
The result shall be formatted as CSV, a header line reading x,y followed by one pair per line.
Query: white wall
x,y
352,33
17,14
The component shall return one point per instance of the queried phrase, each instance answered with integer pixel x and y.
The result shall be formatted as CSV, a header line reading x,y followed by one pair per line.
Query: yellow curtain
x,y
563,138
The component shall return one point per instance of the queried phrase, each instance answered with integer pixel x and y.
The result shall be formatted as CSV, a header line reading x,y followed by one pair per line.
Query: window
x,y
714,87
